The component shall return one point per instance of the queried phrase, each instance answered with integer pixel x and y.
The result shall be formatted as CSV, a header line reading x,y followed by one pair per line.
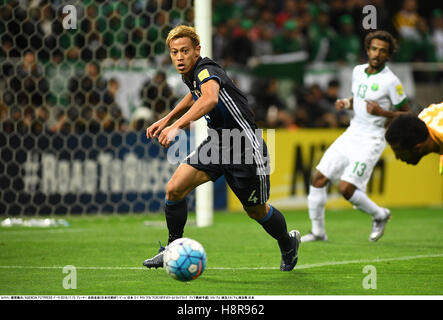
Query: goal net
x,y
81,81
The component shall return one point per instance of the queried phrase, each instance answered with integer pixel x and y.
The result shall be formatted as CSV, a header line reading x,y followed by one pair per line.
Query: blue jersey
x,y
232,110
248,179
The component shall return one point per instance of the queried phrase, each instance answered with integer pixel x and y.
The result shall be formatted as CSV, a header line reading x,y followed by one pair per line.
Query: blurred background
x,y
75,103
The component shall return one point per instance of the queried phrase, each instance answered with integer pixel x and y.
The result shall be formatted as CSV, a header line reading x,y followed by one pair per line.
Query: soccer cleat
x,y
157,260
378,226
310,237
289,259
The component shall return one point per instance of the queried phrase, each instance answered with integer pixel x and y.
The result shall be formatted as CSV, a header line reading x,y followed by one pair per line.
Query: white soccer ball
x,y
184,259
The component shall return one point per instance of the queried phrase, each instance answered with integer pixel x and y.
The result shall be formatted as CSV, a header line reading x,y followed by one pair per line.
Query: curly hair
x,y
406,131
383,36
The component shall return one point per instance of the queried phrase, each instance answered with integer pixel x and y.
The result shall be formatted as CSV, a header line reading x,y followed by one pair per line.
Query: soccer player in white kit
x,y
377,96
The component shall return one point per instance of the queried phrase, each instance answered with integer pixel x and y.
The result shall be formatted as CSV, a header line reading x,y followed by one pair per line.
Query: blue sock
x,y
275,224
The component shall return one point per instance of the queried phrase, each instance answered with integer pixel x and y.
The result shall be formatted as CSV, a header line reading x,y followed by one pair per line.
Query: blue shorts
x,y
249,181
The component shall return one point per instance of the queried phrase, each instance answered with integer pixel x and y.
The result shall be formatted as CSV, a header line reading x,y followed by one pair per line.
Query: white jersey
x,y
353,156
382,87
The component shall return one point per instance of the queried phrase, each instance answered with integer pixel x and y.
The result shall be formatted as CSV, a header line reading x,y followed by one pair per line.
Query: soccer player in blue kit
x,y
213,95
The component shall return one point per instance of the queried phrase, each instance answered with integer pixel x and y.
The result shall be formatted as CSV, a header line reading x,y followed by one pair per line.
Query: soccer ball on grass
x,y
184,259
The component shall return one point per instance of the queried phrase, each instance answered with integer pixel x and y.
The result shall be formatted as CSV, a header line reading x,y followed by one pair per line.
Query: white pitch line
x,y
333,263
30,231
81,268
303,266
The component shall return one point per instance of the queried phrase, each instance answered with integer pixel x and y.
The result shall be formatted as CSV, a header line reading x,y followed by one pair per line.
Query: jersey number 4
x,y
253,198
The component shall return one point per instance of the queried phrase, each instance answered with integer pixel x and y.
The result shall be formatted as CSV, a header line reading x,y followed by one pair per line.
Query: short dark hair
x,y
406,131
383,36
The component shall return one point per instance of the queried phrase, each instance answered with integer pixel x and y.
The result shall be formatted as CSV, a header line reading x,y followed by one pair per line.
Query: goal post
x,y
204,204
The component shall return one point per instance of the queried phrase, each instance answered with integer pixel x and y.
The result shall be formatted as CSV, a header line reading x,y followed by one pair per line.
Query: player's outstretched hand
x,y
168,135
154,130
341,104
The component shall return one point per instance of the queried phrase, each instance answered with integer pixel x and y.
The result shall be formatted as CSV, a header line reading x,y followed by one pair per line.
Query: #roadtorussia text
x,y
244,309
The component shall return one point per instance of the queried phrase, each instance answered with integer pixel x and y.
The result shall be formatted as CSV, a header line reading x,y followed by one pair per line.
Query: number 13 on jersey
x,y
359,168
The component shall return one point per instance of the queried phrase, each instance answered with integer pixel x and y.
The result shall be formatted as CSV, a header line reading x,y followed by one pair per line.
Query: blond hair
x,y
183,31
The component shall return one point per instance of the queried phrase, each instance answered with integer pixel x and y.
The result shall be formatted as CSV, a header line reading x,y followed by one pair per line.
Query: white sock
x,y
360,200
316,205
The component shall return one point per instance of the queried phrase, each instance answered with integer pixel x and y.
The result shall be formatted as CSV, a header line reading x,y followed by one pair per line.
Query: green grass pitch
x,y
108,251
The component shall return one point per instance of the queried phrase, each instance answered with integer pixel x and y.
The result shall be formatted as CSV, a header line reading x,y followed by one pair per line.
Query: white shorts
x,y
352,158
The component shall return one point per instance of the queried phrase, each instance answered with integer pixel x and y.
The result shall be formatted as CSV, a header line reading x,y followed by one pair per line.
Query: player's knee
x,y
346,189
173,191
319,180
256,212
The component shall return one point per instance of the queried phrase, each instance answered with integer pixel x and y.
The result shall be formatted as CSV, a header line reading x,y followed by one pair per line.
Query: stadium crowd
x,y
52,79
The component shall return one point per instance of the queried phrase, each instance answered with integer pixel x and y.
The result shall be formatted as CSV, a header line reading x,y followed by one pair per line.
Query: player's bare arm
x,y
154,130
202,106
374,108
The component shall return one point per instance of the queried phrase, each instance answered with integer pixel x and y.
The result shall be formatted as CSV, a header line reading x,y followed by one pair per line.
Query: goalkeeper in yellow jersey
x,y
412,137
